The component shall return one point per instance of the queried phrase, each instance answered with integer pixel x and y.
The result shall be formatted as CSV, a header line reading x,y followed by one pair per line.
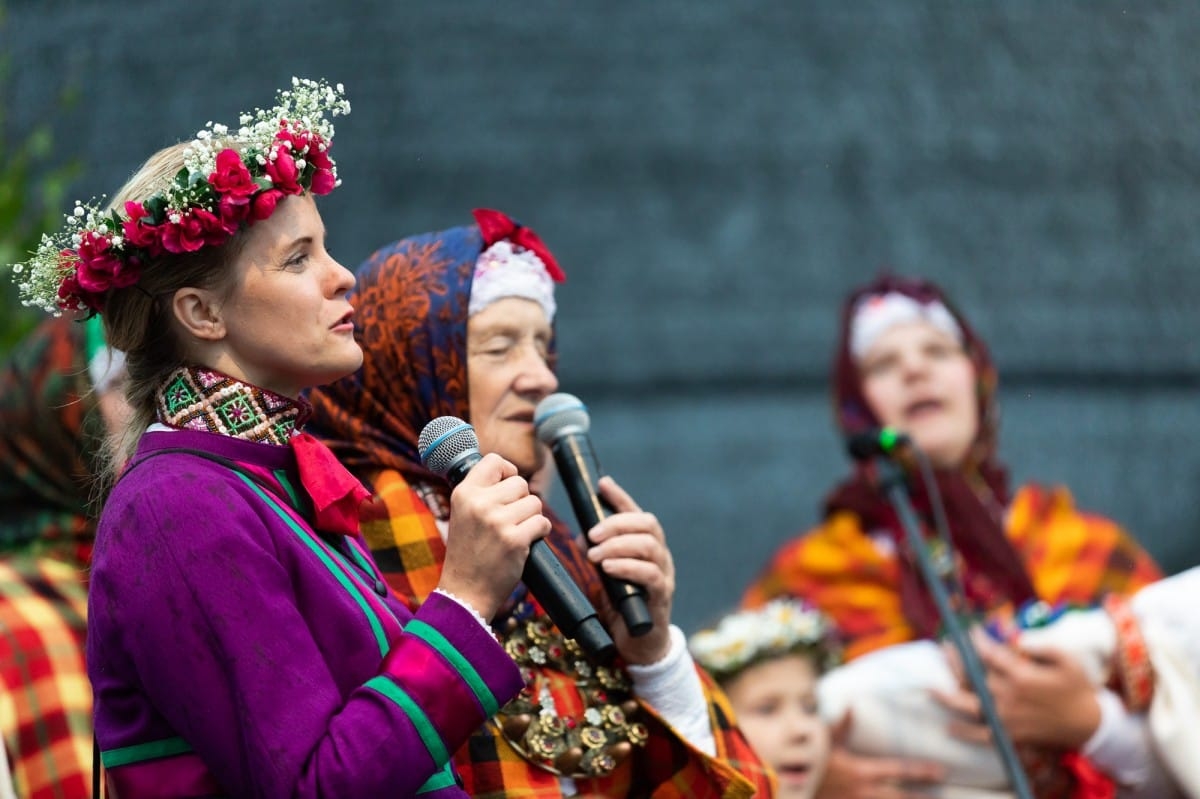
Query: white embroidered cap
x,y
878,314
503,270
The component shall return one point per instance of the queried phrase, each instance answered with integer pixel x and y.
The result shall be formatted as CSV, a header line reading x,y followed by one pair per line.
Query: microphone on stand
x,y
876,441
884,444
449,447
562,424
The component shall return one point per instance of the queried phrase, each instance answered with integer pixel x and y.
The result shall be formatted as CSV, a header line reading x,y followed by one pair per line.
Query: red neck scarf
x,y
197,398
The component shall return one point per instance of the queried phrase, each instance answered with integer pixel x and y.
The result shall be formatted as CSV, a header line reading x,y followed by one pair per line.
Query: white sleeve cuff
x,y
1121,748
673,688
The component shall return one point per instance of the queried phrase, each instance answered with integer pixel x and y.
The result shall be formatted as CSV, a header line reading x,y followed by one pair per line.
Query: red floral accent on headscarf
x,y
975,495
496,226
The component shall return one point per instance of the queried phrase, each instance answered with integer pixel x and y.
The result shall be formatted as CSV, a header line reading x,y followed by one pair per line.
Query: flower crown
x,y
780,627
228,181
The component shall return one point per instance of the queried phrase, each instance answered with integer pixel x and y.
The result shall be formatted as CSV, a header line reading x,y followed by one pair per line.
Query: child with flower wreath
x,y
768,661
241,639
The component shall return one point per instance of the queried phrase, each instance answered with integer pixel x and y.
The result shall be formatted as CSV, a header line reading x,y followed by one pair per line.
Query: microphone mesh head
x,y
558,414
443,441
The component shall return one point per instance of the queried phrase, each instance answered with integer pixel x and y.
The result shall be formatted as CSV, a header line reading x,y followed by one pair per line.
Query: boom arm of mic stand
x,y
892,481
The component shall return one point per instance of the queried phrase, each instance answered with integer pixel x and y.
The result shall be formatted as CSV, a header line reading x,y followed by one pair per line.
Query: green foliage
x,y
33,191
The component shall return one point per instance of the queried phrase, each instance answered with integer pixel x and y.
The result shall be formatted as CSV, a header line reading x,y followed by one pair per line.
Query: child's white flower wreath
x,y
782,626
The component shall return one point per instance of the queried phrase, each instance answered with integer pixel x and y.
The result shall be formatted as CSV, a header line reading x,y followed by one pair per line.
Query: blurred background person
x,y
461,323
60,394
768,661
909,360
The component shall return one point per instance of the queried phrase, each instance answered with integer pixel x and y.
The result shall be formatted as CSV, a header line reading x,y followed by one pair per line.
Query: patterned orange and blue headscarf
x,y
411,304
410,316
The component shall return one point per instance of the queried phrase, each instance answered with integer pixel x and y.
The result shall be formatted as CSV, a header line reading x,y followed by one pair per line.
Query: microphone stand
x,y
892,481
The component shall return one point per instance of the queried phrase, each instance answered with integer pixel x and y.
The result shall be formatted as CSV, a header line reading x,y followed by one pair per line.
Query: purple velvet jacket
x,y
233,651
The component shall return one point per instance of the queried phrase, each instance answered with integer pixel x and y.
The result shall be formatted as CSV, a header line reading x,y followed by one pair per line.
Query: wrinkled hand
x,y
1043,696
851,776
493,521
630,545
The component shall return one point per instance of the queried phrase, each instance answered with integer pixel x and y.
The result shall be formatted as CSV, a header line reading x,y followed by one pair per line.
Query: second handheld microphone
x,y
562,424
449,447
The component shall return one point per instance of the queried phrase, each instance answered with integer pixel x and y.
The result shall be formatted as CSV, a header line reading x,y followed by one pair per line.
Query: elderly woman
x,y
909,360
460,323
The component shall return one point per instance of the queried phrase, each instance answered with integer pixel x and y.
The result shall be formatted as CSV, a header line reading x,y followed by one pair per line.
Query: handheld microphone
x,y
879,441
448,447
562,424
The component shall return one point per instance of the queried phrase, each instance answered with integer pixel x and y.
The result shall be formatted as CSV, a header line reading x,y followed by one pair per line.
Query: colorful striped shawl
x,y
854,577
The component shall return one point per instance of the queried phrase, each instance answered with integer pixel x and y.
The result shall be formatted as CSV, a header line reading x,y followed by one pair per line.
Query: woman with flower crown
x,y
907,359
242,641
461,323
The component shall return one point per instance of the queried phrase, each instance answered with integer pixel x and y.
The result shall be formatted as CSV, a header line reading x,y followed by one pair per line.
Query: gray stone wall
x,y
714,177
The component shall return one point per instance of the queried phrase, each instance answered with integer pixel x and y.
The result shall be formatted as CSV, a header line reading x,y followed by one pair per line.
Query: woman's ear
x,y
198,311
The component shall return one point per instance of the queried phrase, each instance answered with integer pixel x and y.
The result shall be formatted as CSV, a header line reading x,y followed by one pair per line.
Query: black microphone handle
x,y
580,471
568,607
546,578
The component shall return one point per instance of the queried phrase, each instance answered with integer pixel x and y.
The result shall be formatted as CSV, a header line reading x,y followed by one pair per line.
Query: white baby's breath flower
x,y
745,637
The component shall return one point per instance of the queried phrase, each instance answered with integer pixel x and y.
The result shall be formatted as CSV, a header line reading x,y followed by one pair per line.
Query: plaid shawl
x,y
48,427
411,320
1072,556
45,698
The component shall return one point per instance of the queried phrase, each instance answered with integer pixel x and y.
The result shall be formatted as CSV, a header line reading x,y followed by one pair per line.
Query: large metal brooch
x,y
586,746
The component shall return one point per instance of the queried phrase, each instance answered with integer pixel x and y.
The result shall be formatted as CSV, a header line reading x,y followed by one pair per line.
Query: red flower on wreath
x,y
232,179
138,233
196,228
264,204
282,170
100,267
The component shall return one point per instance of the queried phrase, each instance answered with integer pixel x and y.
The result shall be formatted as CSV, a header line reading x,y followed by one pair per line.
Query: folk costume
x,y
244,644
577,727
1010,550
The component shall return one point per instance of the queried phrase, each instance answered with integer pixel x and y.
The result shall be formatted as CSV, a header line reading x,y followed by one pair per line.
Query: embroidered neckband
x,y
195,398
230,179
